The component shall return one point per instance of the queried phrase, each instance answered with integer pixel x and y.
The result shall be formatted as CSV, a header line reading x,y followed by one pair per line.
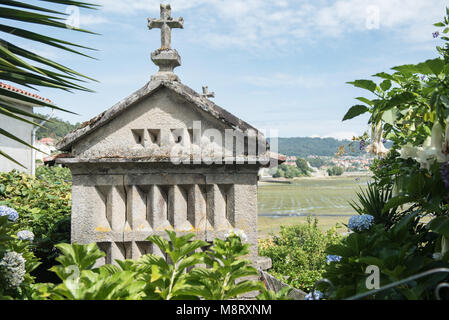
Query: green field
x,y
327,198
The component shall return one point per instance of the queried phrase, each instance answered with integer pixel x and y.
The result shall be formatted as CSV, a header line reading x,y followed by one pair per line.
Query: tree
x,y
335,171
57,128
23,67
303,167
316,162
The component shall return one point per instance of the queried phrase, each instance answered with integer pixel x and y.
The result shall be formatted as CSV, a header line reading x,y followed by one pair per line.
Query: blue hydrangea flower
x,y
332,258
12,269
360,223
25,235
10,212
316,296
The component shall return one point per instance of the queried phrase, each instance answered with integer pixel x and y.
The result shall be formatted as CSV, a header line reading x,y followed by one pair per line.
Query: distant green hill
x,y
306,146
56,129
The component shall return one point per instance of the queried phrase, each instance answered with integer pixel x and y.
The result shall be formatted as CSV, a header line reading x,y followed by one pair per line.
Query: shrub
x,y
289,172
298,253
335,171
153,277
44,205
410,108
399,252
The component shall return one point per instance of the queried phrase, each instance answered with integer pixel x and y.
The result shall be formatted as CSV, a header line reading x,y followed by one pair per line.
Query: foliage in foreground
x,y
152,277
173,276
298,253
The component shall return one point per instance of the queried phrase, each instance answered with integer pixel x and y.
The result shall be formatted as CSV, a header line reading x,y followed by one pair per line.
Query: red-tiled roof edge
x,y
14,89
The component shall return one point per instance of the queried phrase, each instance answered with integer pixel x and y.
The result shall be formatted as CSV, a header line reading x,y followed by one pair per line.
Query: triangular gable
x,y
151,87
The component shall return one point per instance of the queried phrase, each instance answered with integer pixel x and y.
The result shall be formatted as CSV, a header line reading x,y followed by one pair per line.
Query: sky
x,y
281,66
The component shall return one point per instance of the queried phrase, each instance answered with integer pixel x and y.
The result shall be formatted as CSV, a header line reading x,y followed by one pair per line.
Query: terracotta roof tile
x,y
14,89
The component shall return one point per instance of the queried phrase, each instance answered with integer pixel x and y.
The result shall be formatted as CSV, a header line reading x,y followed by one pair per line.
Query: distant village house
x,y
22,130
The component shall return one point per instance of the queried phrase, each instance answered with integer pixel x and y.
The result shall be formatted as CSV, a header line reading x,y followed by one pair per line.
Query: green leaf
x,y
384,75
364,84
365,100
440,225
432,66
83,256
399,99
355,111
439,24
244,287
389,116
385,85
444,100
436,65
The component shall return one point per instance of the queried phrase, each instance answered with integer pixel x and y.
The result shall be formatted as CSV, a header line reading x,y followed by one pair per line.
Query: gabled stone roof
x,y
190,95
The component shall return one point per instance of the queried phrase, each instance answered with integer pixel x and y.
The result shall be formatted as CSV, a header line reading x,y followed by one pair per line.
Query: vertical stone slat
x,y
118,251
197,208
100,198
137,209
159,208
116,208
177,208
221,205
244,206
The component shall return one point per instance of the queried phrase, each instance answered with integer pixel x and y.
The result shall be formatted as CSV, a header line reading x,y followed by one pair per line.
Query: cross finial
x,y
166,58
165,23
207,94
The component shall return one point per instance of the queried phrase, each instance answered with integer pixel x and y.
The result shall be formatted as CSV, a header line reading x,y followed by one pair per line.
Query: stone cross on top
x,y
166,58
165,23
207,94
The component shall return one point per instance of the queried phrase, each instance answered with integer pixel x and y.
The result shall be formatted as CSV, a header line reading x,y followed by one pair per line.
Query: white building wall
x,y
17,151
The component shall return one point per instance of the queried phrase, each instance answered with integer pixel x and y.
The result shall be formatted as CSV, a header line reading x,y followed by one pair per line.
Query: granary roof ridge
x,y
189,94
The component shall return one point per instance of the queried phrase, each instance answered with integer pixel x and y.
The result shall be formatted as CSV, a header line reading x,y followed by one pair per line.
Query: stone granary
x,y
165,157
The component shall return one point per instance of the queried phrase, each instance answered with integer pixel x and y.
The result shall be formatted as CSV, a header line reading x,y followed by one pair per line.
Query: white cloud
x,y
341,135
275,24
286,80
88,20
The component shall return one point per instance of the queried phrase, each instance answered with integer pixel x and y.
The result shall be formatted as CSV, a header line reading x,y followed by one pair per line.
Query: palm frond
x,y
26,68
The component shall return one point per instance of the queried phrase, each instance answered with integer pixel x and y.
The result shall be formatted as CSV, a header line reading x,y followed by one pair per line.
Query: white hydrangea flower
x,y
25,235
237,232
12,267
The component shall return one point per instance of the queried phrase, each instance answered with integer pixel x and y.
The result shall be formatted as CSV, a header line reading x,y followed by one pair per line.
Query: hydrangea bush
x,y
17,259
41,205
